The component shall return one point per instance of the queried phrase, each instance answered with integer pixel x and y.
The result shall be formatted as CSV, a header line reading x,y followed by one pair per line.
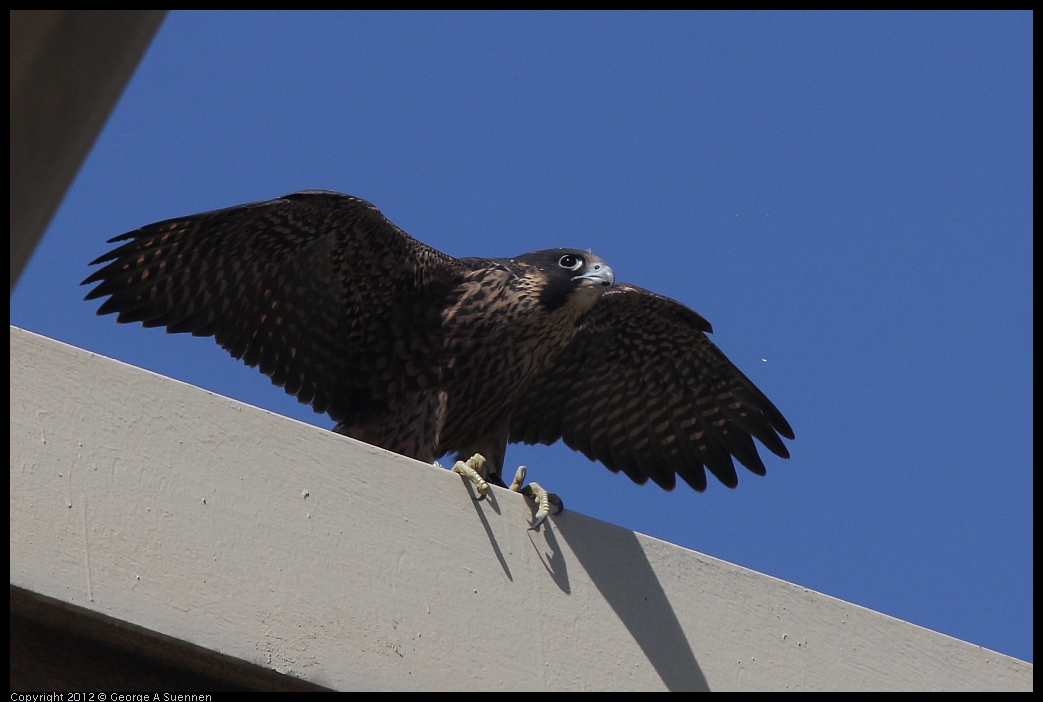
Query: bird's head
x,y
571,277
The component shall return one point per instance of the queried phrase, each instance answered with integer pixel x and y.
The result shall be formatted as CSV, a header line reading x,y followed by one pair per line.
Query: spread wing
x,y
319,290
643,390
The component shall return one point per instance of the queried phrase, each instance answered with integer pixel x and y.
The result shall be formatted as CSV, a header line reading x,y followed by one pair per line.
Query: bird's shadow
x,y
623,575
554,562
489,499
620,570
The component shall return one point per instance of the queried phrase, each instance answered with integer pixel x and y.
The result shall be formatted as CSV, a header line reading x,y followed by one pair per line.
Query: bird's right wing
x,y
319,290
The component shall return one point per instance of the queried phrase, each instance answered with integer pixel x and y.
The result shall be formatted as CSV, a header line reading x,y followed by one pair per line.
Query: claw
x,y
473,470
544,499
470,470
519,478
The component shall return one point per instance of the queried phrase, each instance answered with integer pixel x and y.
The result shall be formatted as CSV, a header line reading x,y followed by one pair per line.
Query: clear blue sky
x,y
846,197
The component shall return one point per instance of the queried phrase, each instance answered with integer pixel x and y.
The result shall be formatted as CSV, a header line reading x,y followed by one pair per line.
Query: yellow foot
x,y
474,470
544,499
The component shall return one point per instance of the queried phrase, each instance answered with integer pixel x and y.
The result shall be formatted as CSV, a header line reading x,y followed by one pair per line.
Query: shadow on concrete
x,y
490,499
554,561
59,646
620,570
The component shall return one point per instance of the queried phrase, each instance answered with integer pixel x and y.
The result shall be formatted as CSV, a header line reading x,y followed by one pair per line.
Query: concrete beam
x,y
68,69
272,542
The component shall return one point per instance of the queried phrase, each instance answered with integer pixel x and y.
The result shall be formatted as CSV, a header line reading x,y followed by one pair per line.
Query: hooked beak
x,y
597,274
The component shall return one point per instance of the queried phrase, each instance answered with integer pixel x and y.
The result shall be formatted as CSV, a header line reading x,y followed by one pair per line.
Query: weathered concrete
x,y
68,69
257,537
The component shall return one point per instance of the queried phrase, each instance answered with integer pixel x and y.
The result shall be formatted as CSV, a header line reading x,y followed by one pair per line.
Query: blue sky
x,y
846,197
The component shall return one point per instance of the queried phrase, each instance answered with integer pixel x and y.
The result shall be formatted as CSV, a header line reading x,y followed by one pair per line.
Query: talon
x,y
477,463
472,469
542,498
558,503
519,478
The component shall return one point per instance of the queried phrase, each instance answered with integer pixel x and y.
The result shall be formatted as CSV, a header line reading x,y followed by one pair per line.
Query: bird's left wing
x,y
643,390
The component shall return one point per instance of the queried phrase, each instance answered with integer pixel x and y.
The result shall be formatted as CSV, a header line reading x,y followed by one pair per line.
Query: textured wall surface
x,y
308,553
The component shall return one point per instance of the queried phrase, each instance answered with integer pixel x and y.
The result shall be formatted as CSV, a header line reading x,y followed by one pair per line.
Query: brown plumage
x,y
424,354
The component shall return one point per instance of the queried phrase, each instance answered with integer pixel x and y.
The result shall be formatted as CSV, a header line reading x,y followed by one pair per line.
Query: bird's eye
x,y
570,262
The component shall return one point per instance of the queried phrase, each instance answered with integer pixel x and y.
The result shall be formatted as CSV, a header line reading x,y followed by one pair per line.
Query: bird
x,y
424,354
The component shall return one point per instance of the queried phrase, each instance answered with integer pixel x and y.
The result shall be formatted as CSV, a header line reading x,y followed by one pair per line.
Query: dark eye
x,y
570,262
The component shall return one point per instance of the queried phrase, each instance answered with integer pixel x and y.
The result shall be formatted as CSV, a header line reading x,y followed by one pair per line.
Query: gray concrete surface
x,y
68,69
255,536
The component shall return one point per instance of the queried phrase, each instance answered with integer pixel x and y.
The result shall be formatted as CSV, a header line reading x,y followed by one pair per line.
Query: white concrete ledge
x,y
257,537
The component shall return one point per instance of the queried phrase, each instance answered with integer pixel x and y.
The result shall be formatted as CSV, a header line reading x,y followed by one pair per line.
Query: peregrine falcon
x,y
424,354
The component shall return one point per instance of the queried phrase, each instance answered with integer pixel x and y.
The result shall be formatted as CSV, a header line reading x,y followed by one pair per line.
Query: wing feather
x,y
643,390
319,290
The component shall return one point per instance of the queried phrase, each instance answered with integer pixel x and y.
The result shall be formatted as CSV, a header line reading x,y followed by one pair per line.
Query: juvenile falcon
x,y
424,354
